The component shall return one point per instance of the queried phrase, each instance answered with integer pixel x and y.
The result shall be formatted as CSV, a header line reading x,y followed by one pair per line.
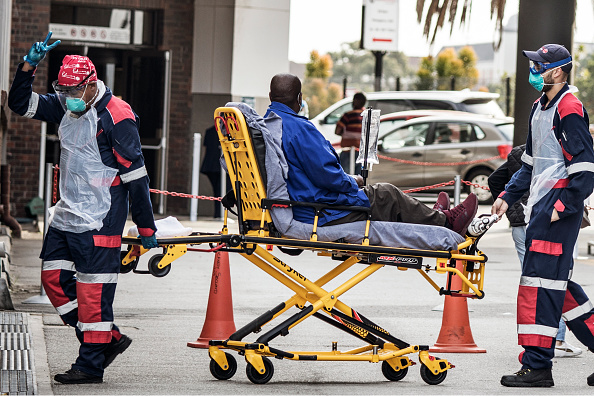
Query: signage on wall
x,y
380,25
97,34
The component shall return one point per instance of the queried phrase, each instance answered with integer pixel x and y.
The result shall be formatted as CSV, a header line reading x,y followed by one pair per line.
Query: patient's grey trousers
x,y
389,203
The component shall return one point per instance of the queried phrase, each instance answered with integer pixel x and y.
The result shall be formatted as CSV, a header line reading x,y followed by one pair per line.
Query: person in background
x,y
349,127
516,217
211,167
101,165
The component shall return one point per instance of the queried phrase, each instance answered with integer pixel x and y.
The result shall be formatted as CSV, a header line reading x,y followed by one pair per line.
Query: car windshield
x,y
389,125
413,135
484,107
334,116
507,130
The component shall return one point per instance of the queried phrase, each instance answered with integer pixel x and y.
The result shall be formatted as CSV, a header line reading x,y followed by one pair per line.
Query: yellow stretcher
x,y
310,297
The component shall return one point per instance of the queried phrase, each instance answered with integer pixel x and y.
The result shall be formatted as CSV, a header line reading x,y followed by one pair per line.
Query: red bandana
x,y
74,69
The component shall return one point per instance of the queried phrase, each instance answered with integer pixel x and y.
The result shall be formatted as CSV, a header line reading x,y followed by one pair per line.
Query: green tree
x,y
318,66
446,66
358,66
319,94
584,79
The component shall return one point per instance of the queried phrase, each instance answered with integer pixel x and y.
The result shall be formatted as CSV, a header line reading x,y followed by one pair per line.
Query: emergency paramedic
x,y
315,175
101,163
557,168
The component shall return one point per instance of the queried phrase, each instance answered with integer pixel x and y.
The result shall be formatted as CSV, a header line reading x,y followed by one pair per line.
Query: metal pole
x,y
223,189
344,86
42,158
397,83
42,297
507,96
195,177
457,189
352,161
163,184
379,58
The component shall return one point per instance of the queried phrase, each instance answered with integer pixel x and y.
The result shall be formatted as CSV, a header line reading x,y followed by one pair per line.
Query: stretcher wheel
x,y
392,374
124,269
220,373
430,378
153,266
258,378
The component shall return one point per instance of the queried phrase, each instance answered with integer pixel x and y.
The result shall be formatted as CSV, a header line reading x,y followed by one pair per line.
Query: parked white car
x,y
484,103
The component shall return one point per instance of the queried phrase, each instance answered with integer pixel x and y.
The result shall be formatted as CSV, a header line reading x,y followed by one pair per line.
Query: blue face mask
x,y
76,105
536,81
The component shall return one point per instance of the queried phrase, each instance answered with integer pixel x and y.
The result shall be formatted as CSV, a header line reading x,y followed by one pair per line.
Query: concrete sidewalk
x,y
162,314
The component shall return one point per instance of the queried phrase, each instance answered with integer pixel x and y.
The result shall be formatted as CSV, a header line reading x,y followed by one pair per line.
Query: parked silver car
x,y
454,140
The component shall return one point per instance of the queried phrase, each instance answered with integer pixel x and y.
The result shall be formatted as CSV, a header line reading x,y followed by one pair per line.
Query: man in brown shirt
x,y
349,127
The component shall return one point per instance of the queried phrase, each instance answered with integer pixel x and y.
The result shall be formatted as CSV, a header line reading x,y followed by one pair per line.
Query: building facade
x,y
173,61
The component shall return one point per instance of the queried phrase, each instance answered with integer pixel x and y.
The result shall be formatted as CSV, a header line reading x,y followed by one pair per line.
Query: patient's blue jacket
x,y
315,174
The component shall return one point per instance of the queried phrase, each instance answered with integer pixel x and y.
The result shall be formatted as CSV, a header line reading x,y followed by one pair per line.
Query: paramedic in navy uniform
x,y
101,163
557,167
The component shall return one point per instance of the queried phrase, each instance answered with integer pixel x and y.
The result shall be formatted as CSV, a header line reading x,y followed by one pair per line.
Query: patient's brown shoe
x,y
459,217
443,202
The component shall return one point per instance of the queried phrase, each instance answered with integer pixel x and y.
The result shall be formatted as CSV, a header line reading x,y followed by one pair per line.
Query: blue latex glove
x,y
149,242
38,51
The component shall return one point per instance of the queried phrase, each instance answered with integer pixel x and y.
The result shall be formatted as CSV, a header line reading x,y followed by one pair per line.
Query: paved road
x,y
163,314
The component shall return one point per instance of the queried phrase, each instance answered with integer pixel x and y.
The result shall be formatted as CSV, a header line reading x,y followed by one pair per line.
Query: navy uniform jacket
x,y
119,146
571,127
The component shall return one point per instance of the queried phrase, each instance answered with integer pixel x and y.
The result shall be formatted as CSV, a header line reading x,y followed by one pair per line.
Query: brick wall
x,y
29,24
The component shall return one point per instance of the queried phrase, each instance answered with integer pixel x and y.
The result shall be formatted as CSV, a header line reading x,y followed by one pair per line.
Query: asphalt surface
x,y
162,314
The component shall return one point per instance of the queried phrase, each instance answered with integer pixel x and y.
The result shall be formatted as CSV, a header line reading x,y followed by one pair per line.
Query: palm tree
x,y
450,8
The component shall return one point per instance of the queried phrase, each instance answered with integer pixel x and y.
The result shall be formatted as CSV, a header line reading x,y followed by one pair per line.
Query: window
x,y
391,105
454,132
413,135
333,117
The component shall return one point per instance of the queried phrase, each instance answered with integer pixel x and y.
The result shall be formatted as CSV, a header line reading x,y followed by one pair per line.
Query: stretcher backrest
x,y
246,171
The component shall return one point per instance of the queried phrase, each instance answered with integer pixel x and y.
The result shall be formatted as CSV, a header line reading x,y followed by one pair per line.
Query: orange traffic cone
x,y
219,324
455,335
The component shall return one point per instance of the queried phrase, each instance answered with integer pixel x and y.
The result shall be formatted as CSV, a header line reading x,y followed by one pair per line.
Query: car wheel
x,y
480,177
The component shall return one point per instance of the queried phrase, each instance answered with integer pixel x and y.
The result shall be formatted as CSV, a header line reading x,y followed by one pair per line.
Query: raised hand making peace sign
x,y
38,51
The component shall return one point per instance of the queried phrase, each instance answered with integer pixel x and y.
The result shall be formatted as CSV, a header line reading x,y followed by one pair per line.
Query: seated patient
x,y
315,175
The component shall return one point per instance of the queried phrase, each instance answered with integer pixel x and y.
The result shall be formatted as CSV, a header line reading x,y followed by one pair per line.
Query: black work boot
x,y
591,379
114,349
73,376
529,378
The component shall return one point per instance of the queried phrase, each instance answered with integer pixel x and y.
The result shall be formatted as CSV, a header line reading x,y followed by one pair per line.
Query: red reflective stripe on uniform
x,y
89,302
116,334
121,160
119,110
527,304
501,194
100,132
568,156
536,340
97,337
51,284
559,206
590,324
561,183
146,232
116,181
108,241
546,247
569,303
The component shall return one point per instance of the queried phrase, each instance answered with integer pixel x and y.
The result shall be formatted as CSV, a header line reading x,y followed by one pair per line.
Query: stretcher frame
x,y
256,232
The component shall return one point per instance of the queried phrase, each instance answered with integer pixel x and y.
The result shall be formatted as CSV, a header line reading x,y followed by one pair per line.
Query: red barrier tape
x,y
438,163
182,195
